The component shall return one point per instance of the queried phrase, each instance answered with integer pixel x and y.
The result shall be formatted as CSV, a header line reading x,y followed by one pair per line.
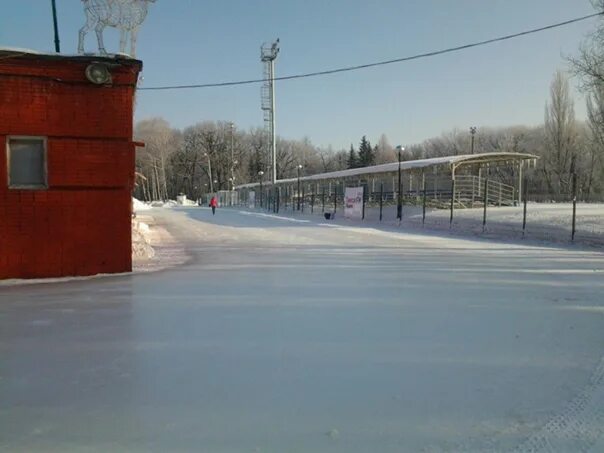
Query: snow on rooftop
x,y
411,165
18,51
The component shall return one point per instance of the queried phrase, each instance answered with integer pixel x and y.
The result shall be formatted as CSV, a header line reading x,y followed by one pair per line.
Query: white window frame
x,y
44,140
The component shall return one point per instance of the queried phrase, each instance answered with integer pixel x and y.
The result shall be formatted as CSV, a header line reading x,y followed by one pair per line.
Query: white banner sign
x,y
353,203
251,199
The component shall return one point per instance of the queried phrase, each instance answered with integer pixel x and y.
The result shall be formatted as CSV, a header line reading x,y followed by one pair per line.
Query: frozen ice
x,y
277,333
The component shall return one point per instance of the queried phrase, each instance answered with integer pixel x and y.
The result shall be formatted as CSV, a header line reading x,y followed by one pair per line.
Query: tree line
x,y
217,155
178,161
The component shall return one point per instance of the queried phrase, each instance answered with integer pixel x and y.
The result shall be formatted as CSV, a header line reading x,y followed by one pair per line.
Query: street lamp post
x,y
209,171
299,168
473,133
231,192
399,203
260,174
233,175
233,162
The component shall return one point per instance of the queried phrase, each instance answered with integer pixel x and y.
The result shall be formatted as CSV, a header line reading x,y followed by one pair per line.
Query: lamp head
x,y
98,73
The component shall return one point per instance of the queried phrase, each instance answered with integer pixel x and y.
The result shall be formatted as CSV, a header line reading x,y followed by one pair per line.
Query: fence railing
x,y
430,204
470,192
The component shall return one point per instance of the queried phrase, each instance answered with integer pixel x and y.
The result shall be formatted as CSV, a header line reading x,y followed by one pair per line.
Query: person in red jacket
x,y
213,205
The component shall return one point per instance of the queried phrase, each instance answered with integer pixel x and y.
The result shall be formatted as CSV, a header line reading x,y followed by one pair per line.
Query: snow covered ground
x,y
286,334
153,247
139,206
142,250
545,222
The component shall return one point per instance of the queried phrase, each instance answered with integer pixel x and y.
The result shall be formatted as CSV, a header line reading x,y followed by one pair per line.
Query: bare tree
x,y
332,160
561,136
160,143
255,143
589,65
595,123
385,151
214,139
287,158
189,164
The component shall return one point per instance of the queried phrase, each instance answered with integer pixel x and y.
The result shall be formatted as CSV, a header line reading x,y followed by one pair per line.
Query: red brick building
x,y
67,164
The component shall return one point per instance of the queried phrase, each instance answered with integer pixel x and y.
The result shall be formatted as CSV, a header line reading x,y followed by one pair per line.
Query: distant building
x,y
67,166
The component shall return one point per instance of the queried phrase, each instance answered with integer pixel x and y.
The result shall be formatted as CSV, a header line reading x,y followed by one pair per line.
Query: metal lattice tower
x,y
268,55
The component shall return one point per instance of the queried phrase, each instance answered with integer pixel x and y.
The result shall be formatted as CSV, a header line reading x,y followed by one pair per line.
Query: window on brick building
x,y
27,163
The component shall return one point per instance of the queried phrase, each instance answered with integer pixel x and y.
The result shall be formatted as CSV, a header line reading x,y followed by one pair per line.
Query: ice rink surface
x,y
291,335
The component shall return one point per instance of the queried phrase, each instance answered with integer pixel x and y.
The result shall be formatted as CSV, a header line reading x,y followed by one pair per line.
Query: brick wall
x,y
81,224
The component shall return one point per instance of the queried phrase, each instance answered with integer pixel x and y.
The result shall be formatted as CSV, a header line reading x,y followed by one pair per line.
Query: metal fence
x,y
479,206
226,198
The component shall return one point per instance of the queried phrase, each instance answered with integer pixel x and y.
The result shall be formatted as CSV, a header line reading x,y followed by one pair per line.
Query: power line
x,y
379,63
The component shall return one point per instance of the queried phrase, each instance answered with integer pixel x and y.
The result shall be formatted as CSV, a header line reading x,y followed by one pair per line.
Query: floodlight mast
x,y
268,55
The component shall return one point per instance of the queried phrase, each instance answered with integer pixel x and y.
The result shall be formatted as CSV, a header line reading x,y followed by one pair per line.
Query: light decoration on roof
x,y
125,15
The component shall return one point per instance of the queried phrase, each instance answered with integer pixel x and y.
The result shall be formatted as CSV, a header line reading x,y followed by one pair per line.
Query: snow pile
x,y
162,204
167,252
189,203
141,234
182,200
139,206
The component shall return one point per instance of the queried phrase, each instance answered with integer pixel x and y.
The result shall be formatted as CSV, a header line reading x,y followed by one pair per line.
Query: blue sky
x,y
199,41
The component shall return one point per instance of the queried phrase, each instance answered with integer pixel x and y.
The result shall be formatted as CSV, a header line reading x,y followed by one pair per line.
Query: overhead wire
x,y
379,63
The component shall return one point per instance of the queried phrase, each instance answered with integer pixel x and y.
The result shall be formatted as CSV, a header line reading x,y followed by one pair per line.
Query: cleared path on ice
x,y
282,335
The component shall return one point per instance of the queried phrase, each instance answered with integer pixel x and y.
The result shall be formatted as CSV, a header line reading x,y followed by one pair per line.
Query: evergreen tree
x,y
366,153
352,161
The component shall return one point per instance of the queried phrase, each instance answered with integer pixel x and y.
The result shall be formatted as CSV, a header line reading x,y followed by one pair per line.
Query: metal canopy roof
x,y
453,162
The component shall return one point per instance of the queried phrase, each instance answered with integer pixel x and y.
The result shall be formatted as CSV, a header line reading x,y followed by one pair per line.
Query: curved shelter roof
x,y
450,162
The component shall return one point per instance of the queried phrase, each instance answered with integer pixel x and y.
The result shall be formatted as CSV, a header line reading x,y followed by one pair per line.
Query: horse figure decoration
x,y
125,15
